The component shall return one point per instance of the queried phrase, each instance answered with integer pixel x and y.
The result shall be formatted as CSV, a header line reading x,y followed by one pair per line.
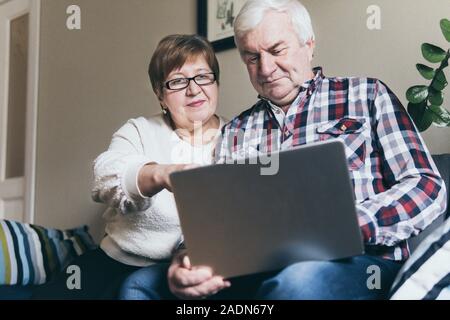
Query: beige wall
x,y
345,46
93,80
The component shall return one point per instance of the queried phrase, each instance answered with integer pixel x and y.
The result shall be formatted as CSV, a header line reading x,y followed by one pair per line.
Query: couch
x,y
31,255
84,242
426,274
443,164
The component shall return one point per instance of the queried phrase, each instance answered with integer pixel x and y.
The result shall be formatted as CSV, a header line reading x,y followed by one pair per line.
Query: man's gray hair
x,y
253,12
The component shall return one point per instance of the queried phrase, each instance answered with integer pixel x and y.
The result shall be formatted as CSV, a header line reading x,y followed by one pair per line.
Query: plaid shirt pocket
x,y
351,132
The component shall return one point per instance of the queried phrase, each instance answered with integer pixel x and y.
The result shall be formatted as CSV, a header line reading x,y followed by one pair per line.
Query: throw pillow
x,y
31,254
426,274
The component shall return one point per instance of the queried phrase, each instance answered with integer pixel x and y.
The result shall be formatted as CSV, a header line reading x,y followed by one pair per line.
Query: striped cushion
x,y
30,254
426,274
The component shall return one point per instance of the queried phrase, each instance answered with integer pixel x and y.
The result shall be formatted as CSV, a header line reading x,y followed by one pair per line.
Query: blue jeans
x,y
346,279
149,283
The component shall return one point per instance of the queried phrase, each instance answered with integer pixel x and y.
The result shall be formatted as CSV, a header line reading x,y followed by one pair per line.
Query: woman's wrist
x,y
148,182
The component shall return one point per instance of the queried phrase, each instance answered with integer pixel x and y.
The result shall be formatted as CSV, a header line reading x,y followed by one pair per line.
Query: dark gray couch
x,y
442,162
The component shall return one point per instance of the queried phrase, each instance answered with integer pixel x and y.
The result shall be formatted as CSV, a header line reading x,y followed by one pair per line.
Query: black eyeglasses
x,y
202,79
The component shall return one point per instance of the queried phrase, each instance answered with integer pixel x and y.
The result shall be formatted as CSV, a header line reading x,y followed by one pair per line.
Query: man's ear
x,y
237,41
311,45
241,54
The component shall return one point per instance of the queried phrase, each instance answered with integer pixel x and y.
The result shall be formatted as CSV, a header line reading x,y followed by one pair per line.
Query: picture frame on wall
x,y
215,21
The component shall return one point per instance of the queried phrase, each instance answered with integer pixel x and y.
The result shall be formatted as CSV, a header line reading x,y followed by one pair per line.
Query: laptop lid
x,y
239,221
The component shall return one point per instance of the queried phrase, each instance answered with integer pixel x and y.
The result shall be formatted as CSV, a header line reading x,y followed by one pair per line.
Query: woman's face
x,y
195,104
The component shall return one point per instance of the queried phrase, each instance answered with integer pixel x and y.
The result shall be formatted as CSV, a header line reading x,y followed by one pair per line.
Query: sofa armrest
x,y
442,162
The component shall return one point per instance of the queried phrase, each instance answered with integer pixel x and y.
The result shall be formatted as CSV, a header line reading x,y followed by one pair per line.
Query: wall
x,y
94,79
91,81
345,46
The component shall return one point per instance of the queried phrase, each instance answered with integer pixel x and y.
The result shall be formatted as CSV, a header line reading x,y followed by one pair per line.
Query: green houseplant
x,y
425,101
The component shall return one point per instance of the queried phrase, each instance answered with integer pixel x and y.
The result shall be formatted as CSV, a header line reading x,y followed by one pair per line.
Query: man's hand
x,y
187,282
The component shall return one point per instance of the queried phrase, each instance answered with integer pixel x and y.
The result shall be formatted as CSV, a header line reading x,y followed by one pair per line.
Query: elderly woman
x,y
132,176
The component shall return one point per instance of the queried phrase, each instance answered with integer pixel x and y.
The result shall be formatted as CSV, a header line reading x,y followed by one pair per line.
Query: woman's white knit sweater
x,y
142,230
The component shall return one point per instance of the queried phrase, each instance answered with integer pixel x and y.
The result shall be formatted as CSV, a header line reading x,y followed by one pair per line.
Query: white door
x,y
19,38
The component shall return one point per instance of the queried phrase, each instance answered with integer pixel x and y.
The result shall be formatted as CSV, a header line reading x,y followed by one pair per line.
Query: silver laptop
x,y
239,219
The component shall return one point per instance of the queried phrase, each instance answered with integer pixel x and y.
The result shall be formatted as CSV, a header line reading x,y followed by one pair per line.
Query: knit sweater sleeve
x,y
116,170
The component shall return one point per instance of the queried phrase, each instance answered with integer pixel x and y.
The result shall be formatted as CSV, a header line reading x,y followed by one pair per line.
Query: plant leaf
x,y
433,53
426,72
420,115
417,94
445,27
440,81
435,97
416,110
441,116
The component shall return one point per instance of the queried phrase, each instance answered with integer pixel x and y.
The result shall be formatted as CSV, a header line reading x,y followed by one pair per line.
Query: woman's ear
x,y
159,95
164,109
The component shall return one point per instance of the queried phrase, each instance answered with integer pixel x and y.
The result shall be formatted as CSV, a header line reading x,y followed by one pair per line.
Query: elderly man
x,y
397,187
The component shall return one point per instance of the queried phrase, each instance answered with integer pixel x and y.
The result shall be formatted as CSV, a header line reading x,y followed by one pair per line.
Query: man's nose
x,y
267,65
193,89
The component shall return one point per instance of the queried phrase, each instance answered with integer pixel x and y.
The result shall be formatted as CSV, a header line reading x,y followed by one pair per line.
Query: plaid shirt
x,y
397,187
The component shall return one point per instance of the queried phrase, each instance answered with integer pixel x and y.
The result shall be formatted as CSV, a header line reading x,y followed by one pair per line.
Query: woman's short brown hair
x,y
172,52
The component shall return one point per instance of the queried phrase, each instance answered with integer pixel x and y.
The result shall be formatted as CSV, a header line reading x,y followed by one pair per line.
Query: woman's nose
x,y
193,89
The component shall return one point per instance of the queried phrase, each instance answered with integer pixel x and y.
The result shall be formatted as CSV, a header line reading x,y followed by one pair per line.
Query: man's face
x,y
276,61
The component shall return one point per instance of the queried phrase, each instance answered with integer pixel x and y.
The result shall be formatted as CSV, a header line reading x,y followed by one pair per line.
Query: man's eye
x,y
279,51
253,59
202,77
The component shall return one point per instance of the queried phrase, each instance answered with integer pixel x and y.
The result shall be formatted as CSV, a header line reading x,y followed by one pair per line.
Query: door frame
x,y
14,9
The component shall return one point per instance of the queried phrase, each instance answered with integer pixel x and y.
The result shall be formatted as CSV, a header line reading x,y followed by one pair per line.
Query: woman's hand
x,y
154,177
187,282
